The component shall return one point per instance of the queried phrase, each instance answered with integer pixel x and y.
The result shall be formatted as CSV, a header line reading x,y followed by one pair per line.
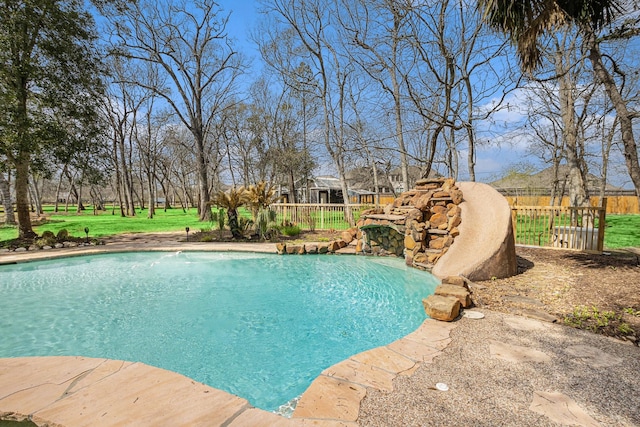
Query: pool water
x,y
260,326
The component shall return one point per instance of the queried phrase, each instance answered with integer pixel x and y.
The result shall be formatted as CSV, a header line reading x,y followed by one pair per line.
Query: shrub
x,y
244,224
309,219
48,235
63,234
266,225
290,230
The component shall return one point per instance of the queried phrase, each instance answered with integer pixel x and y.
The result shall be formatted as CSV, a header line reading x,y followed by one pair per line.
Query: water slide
x,y
485,247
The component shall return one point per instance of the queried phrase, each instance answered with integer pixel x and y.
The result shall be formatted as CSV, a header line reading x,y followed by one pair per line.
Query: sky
x,y
244,16
493,157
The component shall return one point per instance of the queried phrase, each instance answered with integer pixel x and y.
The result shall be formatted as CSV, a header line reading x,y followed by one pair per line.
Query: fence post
x,y
602,218
514,223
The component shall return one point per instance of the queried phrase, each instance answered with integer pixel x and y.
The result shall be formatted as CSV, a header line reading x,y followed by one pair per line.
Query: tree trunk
x,y
203,184
232,214
404,163
5,193
620,105
577,192
35,193
25,230
80,206
127,188
292,187
606,150
152,196
58,188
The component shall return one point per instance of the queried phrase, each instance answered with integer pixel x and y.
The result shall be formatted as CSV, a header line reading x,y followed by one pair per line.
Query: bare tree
x,y
378,32
304,33
188,43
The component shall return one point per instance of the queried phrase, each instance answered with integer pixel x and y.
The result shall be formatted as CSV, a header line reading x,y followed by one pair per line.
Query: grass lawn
x,y
105,224
622,231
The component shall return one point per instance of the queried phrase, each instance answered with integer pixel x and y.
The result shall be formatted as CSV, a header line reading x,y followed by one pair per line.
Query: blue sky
x,y
244,14
493,158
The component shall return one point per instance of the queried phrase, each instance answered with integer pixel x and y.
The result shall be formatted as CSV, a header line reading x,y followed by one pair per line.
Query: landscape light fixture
x,y
187,230
86,231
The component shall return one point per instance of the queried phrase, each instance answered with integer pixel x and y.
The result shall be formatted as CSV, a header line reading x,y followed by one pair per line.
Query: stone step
x,y
440,307
458,292
437,231
384,217
424,181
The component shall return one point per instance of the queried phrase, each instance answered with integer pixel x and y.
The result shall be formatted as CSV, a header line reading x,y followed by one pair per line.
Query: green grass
x,y
622,231
105,224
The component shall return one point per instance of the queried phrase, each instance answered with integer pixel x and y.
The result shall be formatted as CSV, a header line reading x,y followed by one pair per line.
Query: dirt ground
x,y
600,293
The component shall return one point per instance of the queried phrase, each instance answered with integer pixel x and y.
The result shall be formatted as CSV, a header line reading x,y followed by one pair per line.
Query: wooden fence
x,y
313,216
547,226
616,204
578,228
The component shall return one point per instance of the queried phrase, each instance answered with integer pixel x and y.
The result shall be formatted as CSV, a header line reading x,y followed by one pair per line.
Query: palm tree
x,y
261,196
231,201
527,22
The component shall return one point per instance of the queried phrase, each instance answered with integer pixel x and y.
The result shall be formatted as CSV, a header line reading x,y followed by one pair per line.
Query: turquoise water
x,y
259,326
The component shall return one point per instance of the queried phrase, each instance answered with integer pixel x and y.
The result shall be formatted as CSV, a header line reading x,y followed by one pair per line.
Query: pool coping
x,y
75,391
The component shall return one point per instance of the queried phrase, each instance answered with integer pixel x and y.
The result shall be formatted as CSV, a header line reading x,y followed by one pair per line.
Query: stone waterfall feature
x,y
420,225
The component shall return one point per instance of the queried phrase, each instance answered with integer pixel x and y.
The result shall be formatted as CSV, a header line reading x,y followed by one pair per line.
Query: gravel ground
x,y
487,391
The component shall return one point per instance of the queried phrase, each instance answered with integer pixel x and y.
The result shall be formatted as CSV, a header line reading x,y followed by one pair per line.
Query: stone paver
x,y
561,409
386,359
332,399
516,353
360,373
592,356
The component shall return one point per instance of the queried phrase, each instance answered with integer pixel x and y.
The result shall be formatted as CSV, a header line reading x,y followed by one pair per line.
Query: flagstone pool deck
x,y
499,370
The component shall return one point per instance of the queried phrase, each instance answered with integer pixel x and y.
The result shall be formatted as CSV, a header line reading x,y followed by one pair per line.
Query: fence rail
x,y
313,216
578,228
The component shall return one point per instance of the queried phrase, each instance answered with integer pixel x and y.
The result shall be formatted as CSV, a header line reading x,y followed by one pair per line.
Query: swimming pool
x,y
260,326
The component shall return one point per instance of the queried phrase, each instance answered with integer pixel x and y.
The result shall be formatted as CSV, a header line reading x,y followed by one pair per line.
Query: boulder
x,y
333,246
455,280
458,292
420,258
440,307
438,210
295,249
346,236
409,243
456,196
438,219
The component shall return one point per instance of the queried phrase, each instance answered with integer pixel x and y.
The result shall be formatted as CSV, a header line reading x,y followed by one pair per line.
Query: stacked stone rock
x,y
426,218
447,299
421,224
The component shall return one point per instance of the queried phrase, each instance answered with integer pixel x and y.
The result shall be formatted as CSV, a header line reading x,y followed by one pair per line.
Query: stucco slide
x,y
485,247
